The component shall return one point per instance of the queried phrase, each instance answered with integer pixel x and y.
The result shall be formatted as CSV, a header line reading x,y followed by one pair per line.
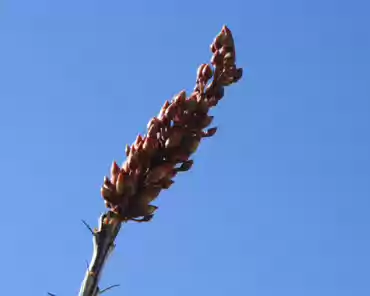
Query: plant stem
x,y
103,244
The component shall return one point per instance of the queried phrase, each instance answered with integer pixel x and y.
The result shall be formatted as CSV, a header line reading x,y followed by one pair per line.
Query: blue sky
x,y
277,202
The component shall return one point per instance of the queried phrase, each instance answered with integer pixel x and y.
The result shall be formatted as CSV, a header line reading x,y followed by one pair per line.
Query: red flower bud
x,y
207,72
138,140
175,136
180,98
148,194
229,59
191,105
127,149
206,121
163,109
120,183
179,156
217,59
200,70
191,144
158,173
219,93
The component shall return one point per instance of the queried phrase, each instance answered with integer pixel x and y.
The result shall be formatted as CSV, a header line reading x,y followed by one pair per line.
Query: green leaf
x,y
151,209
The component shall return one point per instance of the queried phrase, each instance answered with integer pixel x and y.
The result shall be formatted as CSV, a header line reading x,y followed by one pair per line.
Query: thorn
x,y
88,227
91,273
106,289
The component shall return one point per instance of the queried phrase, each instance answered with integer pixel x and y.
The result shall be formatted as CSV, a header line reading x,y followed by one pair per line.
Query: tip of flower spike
x,y
226,30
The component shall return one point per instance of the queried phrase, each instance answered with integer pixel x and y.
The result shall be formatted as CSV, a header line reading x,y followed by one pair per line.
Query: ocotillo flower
x,y
154,159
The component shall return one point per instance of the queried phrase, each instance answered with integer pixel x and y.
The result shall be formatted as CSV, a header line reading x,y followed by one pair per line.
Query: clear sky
x,y
277,202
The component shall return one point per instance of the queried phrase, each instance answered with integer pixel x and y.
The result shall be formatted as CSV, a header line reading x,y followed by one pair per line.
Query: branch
x,y
103,244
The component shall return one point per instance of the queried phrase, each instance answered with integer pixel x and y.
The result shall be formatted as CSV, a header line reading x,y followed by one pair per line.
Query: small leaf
x,y
167,183
210,132
186,165
192,144
151,209
147,218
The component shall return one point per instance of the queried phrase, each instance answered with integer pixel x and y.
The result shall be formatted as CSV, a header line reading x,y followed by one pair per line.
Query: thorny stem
x,y
103,244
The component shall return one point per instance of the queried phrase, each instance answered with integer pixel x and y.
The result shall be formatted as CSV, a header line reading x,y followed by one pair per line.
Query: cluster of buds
x,y
154,159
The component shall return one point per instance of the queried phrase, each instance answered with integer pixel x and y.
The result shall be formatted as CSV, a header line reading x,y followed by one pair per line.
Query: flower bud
x,y
200,70
132,161
180,98
229,59
130,186
114,170
127,149
120,183
158,173
179,156
171,111
191,105
228,41
202,105
106,192
217,42
191,144
107,204
212,102
163,109
174,138
150,145
153,122
108,184
207,72
148,194
216,59
152,132
138,140
219,92
206,121
225,30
